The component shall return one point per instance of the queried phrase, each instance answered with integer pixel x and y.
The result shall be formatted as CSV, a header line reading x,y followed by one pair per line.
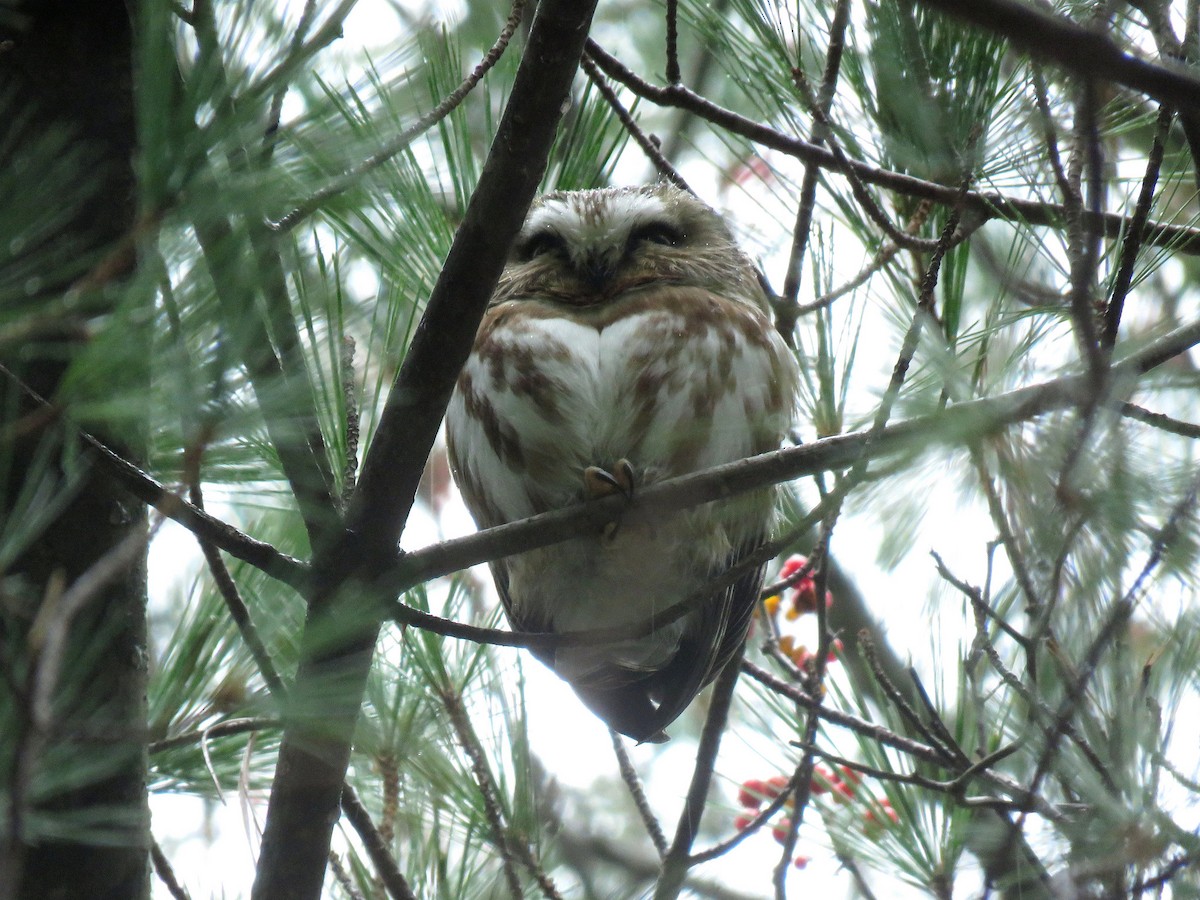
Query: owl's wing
x,y
642,705
519,624
708,646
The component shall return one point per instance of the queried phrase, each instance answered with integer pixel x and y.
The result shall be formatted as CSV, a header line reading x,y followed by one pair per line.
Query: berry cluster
x,y
840,784
752,795
801,599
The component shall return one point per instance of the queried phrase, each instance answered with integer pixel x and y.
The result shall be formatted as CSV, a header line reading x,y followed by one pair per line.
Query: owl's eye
x,y
540,243
662,233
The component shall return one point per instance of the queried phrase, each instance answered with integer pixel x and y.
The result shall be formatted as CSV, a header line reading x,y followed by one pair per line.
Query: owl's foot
x,y
598,482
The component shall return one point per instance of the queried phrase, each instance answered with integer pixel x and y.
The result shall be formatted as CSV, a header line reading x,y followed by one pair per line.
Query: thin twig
x,y
1133,237
643,140
677,860
980,206
165,873
353,419
629,775
788,310
760,819
343,877
238,611
945,738
867,646
1050,136
1160,421
461,724
221,729
271,133
672,70
868,203
1083,246
1008,539
376,846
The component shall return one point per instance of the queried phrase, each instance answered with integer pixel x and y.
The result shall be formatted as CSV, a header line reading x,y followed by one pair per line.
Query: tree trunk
x,y
73,588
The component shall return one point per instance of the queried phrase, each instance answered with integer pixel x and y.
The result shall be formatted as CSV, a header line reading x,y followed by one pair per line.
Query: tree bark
x,y
72,602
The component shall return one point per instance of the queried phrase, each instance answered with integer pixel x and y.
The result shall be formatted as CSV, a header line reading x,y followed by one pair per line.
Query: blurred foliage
x,y
1083,500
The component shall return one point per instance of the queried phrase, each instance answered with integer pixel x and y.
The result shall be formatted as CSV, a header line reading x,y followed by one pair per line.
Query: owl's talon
x,y
598,482
623,475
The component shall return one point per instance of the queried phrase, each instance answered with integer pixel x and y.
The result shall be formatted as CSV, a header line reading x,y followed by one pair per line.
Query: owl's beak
x,y
596,270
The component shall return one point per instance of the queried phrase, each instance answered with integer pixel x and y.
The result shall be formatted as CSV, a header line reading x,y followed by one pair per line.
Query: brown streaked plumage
x,y
627,342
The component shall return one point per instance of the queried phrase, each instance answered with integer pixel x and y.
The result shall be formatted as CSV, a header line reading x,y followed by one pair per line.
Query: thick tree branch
x,y
1074,47
344,609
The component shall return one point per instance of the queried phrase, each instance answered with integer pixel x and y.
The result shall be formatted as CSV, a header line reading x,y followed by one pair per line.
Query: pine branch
x,y
977,206
1074,47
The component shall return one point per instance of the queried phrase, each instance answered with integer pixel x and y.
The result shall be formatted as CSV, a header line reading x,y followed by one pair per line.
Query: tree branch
x,y
975,205
1079,49
961,422
345,605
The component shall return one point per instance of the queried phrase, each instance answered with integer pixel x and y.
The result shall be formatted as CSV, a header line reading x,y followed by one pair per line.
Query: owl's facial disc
x,y
598,246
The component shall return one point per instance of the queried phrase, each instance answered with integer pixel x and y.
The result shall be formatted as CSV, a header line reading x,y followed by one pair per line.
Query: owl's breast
x,y
673,379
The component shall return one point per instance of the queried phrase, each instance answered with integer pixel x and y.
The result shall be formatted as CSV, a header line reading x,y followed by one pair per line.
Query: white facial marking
x,y
595,223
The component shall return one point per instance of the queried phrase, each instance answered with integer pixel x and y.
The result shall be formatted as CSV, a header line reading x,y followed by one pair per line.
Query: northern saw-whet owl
x,y
627,342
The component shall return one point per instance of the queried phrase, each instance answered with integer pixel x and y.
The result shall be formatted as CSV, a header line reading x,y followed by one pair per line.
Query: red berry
x,y
850,776
873,822
801,862
752,793
822,781
742,822
793,565
835,647
842,792
775,786
781,830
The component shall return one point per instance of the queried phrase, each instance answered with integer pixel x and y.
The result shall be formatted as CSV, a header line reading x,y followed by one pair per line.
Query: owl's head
x,y
586,248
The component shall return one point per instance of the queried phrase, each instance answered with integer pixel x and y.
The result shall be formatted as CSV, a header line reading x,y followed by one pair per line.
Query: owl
x,y
627,342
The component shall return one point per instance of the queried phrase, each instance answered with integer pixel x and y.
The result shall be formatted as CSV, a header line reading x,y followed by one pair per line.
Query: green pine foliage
x,y
1022,705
